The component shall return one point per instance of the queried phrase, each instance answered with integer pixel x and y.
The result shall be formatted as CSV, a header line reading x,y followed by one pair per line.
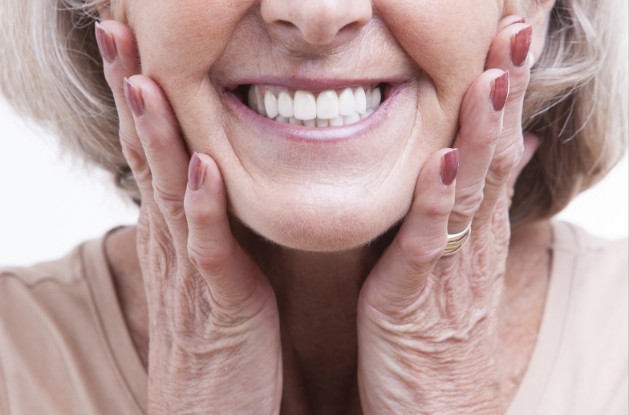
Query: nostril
x,y
318,22
286,24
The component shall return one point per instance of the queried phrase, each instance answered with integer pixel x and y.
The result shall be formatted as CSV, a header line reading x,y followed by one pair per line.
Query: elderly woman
x,y
345,208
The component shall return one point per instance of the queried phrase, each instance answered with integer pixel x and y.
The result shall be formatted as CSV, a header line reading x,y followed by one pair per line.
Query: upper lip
x,y
312,84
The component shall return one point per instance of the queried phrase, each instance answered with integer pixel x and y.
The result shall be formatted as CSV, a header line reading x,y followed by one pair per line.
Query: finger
x,y
232,277
400,274
480,125
164,149
531,144
120,61
509,50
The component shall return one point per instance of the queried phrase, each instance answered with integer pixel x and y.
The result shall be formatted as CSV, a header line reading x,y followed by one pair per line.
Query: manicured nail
x,y
500,92
520,45
196,173
106,44
449,167
134,98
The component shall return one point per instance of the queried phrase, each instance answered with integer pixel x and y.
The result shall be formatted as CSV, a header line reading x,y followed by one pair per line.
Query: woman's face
x,y
221,63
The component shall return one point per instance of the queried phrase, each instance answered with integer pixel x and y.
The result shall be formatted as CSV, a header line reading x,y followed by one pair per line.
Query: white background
x,y
48,204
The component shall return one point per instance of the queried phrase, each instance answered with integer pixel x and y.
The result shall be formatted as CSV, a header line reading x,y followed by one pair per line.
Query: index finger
x,y
120,60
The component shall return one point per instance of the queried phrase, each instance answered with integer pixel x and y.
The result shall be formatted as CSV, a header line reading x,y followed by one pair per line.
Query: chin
x,y
331,228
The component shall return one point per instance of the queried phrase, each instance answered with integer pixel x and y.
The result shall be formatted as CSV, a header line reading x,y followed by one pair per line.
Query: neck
x,y
317,295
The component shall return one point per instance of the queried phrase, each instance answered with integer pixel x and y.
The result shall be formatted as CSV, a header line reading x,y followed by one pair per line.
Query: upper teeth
x,y
327,108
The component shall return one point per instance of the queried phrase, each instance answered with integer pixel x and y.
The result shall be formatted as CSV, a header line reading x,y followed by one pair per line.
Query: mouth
x,y
313,108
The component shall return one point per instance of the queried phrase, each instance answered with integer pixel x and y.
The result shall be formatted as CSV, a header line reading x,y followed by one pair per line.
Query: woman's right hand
x,y
214,325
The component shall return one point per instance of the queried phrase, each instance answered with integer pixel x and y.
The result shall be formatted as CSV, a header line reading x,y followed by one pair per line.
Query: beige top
x,y
65,348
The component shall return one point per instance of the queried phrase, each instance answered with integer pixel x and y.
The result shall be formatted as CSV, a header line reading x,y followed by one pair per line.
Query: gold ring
x,y
456,241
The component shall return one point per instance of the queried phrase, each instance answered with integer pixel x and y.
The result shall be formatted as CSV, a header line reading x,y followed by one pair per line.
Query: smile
x,y
327,108
314,111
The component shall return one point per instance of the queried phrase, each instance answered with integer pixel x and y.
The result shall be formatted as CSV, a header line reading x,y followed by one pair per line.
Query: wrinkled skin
x,y
426,326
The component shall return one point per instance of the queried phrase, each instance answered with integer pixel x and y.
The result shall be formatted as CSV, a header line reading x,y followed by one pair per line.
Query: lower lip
x,y
286,131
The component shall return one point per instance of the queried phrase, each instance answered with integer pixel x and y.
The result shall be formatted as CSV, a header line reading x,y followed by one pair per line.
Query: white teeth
x,y
270,104
305,106
327,105
361,100
351,119
376,98
285,104
347,102
326,109
322,123
336,122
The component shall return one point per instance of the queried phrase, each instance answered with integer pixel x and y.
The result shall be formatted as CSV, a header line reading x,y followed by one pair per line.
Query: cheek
x,y
449,40
169,33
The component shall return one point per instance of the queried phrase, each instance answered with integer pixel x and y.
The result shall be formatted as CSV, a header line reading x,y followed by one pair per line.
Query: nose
x,y
317,22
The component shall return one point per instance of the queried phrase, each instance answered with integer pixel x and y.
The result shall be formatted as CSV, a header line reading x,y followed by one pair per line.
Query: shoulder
x,y
579,365
592,275
34,300
27,292
591,259
64,271
587,307
54,338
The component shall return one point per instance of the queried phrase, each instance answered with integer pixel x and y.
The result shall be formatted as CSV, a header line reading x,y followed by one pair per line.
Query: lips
x,y
327,108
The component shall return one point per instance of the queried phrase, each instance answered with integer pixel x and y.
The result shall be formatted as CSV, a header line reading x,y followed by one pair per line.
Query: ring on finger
x,y
456,241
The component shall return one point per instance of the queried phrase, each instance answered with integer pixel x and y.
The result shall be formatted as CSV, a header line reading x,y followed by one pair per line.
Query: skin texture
x,y
237,324
342,196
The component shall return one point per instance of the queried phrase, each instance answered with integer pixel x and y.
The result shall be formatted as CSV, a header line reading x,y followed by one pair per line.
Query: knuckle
x,y
199,213
153,141
170,204
420,253
129,140
467,205
143,177
503,164
438,209
209,257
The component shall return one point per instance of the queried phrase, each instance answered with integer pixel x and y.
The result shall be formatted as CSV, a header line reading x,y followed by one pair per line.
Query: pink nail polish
x,y
134,98
500,92
449,167
520,45
106,44
196,173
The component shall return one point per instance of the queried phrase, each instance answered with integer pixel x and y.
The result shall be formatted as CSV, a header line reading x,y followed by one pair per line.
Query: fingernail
x,y
449,167
500,92
106,44
134,98
520,45
196,173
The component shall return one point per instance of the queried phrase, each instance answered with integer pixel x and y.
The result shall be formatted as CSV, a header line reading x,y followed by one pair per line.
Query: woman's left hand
x,y
427,324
